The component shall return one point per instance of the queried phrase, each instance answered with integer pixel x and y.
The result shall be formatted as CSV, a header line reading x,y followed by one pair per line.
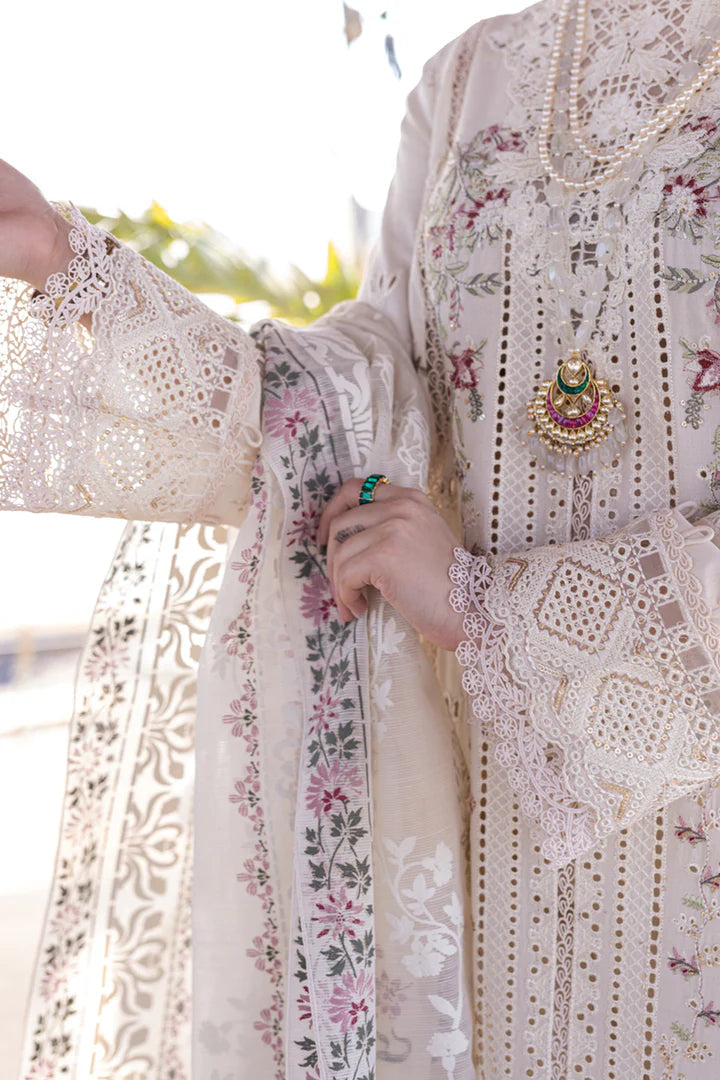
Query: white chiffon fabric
x,y
397,873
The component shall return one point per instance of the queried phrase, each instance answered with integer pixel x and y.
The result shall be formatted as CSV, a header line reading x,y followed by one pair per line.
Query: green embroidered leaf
x,y
684,279
680,1031
319,876
337,960
484,284
356,875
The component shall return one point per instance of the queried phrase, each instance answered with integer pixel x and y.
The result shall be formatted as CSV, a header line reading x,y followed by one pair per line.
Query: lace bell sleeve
x,y
153,413
595,666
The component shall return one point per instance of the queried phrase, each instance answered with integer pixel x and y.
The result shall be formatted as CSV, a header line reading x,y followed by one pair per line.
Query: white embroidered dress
x,y
574,772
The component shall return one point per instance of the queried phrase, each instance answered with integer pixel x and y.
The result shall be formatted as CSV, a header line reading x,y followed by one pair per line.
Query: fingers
x,y
358,537
348,523
347,496
344,498
348,569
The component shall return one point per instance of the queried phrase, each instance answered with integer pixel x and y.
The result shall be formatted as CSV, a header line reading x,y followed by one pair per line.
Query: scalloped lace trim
x,y
596,669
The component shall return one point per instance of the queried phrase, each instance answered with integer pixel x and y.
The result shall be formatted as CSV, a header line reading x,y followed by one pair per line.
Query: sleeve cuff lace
x,y
153,414
595,667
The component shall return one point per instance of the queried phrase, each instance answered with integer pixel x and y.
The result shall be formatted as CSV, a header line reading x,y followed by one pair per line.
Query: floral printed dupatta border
x,y
328,934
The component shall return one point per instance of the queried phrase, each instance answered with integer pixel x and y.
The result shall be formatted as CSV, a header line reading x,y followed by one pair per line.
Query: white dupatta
x,y
329,889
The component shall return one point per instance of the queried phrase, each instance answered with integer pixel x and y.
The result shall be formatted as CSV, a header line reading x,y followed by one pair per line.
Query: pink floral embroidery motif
x,y
338,914
264,952
693,835
237,637
705,124
710,1014
465,364
304,527
284,417
687,968
686,204
335,938
242,714
326,711
708,377
246,564
504,140
330,786
694,961
351,998
316,603
247,794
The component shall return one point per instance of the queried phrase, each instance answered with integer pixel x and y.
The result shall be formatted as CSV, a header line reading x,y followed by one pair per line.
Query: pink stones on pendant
x,y
573,421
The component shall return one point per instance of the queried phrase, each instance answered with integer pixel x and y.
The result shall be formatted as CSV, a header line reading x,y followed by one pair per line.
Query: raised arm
x,y
121,393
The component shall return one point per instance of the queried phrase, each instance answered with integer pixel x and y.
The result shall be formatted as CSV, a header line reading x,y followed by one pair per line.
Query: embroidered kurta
x,y
397,874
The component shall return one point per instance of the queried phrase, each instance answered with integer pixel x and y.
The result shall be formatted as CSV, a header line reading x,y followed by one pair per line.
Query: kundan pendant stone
x,y
577,419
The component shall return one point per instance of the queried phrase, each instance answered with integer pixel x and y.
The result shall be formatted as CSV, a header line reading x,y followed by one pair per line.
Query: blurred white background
x,y
256,118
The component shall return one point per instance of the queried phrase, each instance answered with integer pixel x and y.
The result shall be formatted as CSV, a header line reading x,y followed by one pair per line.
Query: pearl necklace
x,y
665,116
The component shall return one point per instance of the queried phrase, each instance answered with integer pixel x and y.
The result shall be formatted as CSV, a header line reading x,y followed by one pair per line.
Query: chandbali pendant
x,y
577,420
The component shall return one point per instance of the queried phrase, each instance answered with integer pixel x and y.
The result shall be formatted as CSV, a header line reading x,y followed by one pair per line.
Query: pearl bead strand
x,y
612,163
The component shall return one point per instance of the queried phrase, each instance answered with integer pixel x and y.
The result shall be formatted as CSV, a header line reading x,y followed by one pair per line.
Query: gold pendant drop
x,y
577,419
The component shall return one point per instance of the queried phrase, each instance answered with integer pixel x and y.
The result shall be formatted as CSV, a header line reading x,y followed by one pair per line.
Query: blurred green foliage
x,y
205,261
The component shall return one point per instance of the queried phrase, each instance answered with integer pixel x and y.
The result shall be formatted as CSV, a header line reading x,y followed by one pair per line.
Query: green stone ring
x,y
367,491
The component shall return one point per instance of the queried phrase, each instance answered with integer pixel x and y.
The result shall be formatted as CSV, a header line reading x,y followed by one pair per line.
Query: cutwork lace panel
x,y
153,415
597,670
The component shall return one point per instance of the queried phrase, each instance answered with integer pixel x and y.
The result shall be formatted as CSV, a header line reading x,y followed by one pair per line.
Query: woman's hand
x,y
33,236
400,545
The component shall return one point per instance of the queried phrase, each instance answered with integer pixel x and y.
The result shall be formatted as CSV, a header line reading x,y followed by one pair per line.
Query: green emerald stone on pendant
x,y
568,389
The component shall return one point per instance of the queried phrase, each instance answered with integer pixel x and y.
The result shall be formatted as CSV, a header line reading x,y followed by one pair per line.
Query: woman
x,y
396,875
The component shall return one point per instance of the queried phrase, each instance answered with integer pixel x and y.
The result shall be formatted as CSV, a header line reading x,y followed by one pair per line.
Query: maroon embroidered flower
x,y
350,998
304,1007
504,140
316,603
686,205
493,196
464,373
338,914
711,1014
705,124
711,881
305,526
331,786
683,831
326,711
708,377
687,968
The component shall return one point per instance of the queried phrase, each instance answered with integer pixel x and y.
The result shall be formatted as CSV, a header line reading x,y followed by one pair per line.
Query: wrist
x,y
54,251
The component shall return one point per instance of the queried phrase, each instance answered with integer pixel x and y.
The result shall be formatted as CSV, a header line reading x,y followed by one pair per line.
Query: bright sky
x,y
255,117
